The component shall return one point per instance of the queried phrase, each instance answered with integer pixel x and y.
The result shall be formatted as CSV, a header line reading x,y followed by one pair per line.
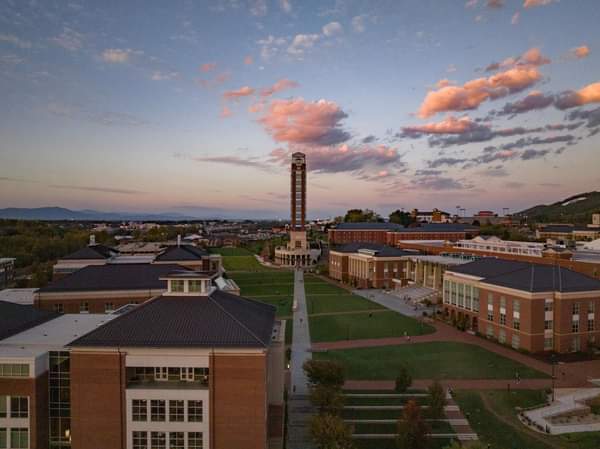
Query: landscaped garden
x,y
493,415
434,360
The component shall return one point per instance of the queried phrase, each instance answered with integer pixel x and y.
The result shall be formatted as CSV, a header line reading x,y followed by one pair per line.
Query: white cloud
x,y
358,23
69,39
286,6
258,8
301,43
118,55
270,46
332,29
161,76
14,40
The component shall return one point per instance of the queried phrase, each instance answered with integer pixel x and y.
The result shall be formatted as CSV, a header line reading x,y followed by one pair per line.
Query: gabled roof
x,y
16,318
92,252
181,252
114,277
382,250
528,276
218,320
369,226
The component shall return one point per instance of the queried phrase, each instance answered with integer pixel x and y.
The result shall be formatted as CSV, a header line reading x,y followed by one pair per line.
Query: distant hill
x,y
62,214
575,209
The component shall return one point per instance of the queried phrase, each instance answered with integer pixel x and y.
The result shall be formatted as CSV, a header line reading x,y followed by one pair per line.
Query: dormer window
x,y
177,285
188,284
194,286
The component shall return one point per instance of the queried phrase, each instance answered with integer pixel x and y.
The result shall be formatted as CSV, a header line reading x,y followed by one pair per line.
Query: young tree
x,y
412,428
327,399
437,400
400,217
330,432
324,372
403,380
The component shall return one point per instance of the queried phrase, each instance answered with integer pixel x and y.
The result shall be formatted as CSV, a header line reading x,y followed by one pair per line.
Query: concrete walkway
x,y
393,302
299,407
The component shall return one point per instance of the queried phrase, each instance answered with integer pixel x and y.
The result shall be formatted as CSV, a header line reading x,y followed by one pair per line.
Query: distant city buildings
x,y
7,271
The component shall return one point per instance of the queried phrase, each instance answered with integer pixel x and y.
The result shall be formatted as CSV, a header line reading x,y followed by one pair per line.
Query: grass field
x,y
365,325
231,251
338,303
500,428
283,304
435,360
243,263
391,444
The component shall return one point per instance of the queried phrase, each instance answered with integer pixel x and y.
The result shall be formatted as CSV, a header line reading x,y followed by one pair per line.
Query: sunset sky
x,y
184,105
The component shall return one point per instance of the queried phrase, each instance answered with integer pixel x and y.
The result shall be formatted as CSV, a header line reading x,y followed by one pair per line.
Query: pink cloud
x,y
248,60
580,52
208,67
450,125
515,18
531,58
474,92
226,112
256,107
586,95
301,122
534,3
280,85
239,93
443,83
471,3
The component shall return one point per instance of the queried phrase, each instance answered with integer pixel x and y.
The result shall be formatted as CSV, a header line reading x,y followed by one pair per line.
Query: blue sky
x,y
164,106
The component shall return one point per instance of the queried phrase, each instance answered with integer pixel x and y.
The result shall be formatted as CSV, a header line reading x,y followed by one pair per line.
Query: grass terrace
x,y
226,252
435,360
493,415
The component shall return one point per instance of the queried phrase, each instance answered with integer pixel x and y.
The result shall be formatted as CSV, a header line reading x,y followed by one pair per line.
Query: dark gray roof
x,y
181,252
221,319
382,250
15,318
92,252
369,226
528,276
138,276
441,227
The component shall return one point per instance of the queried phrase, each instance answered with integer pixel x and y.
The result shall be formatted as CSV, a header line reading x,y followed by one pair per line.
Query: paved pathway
x,y
393,302
299,407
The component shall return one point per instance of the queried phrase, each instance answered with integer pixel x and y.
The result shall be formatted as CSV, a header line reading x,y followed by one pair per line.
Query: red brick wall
x,y
238,402
37,391
97,400
72,304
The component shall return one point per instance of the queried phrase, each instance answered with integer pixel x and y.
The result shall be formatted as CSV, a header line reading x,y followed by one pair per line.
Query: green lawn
x,y
364,325
434,443
259,278
435,360
283,304
377,400
267,289
243,263
231,251
338,303
319,288
289,332
435,426
512,434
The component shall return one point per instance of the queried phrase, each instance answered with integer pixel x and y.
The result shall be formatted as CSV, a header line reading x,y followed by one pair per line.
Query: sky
x,y
189,106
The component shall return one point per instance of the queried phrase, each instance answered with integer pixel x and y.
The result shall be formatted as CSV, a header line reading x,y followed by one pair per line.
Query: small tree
x,y
330,432
437,400
327,399
324,372
412,428
403,380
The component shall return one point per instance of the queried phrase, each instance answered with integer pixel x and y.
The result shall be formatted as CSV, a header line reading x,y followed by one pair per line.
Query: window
x,y
161,373
195,411
194,285
157,410
516,306
3,439
548,343
84,307
187,374
3,407
575,344
490,331
176,440
158,440
503,319
490,314
140,440
548,325
195,440
139,410
19,438
177,285
548,305
516,341
516,323
590,326
502,336
14,370
591,307
502,302
576,308
19,407
176,411
59,308
575,326
109,307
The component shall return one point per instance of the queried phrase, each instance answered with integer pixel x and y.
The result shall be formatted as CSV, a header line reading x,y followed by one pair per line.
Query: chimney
x,y
178,239
92,240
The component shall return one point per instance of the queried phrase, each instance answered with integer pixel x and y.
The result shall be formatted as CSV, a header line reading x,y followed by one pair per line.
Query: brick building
x,y
193,368
529,306
368,265
392,233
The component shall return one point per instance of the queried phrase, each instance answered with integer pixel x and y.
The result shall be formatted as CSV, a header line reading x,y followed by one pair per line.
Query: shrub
x,y
403,380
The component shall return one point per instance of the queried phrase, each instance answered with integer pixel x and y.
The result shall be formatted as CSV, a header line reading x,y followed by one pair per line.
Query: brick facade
x,y
96,301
